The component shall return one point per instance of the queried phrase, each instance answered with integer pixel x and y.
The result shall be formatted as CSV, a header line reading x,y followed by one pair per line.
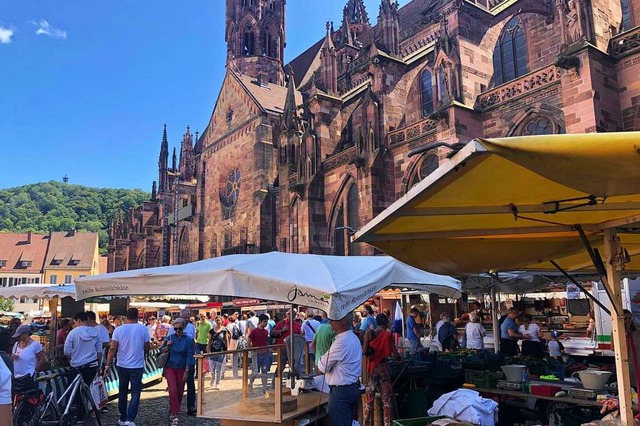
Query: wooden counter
x,y
308,403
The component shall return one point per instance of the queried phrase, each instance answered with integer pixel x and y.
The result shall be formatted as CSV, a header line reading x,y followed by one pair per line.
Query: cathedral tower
x,y
255,36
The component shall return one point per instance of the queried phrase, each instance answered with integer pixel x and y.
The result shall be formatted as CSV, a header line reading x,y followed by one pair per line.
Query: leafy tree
x,y
56,206
6,304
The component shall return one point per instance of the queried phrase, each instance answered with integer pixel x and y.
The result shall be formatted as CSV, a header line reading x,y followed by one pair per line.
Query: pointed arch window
x,y
426,93
353,218
627,18
248,43
442,84
510,53
268,45
294,229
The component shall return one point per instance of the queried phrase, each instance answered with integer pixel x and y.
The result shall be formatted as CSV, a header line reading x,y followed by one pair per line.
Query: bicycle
x,y
25,404
63,411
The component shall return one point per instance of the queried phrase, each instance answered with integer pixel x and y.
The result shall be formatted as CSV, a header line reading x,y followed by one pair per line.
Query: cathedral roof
x,y
270,98
308,61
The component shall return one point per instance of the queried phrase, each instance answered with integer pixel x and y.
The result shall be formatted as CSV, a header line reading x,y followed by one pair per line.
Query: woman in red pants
x,y
378,347
176,370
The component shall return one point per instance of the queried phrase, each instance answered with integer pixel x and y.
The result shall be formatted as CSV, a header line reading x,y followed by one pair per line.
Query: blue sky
x,y
86,86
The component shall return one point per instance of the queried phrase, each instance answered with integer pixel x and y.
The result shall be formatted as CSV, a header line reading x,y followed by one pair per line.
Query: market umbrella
x,y
335,284
518,204
40,291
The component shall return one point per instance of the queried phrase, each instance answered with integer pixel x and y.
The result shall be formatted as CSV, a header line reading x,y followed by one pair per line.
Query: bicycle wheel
x,y
93,414
23,413
44,413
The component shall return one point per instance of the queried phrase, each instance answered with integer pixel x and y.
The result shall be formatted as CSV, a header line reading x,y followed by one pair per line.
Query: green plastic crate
x,y
418,421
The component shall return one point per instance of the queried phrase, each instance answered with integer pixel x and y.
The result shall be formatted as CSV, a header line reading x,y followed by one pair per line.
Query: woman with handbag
x,y
378,347
218,342
28,357
180,350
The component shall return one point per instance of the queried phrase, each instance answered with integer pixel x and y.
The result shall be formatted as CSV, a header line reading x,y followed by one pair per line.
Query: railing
x,y
625,44
240,402
241,249
519,87
422,127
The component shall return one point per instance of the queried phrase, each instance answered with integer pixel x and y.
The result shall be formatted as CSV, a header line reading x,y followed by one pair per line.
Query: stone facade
x,y
296,157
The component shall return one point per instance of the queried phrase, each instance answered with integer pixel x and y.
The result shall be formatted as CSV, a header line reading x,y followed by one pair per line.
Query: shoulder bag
x,y
163,357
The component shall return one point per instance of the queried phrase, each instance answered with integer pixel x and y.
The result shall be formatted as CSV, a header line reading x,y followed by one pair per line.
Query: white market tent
x,y
335,284
37,291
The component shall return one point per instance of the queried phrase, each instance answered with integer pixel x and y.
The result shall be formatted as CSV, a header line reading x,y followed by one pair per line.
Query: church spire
x,y
174,161
163,161
290,121
329,66
356,12
389,20
186,157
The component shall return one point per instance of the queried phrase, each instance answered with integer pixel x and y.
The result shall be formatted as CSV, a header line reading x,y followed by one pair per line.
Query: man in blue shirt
x,y
509,334
368,320
413,333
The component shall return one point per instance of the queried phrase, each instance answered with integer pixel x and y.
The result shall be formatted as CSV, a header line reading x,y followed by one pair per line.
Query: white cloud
x,y
6,34
45,28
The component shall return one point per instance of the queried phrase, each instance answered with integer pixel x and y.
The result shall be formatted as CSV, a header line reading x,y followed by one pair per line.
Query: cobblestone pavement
x,y
154,410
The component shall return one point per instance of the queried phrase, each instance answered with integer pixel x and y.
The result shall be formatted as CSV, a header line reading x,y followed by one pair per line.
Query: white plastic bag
x,y
99,392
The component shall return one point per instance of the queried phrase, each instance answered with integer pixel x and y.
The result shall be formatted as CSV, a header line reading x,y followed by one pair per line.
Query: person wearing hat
x,y
27,354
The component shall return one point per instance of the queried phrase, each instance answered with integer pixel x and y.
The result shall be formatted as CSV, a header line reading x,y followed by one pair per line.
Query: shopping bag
x,y
205,366
98,392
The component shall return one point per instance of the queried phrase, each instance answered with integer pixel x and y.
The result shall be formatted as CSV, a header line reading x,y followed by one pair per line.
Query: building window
x,y
353,219
443,93
510,53
67,279
3,263
294,229
248,43
627,18
538,126
25,263
37,280
268,46
53,279
338,246
3,282
427,93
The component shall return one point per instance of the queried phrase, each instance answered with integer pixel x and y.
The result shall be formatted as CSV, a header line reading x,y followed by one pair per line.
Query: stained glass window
x,y
510,53
427,93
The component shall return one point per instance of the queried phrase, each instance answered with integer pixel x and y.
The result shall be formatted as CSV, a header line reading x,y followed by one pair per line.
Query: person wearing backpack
x,y
235,333
309,327
218,342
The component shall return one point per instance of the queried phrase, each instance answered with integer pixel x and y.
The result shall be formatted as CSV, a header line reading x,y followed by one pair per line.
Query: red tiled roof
x,y
15,247
71,246
271,98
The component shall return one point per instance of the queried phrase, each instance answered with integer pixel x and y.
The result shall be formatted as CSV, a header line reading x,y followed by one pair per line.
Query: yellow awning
x,y
514,203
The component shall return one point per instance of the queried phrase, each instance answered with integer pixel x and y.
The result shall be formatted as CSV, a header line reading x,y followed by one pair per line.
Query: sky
x,y
86,86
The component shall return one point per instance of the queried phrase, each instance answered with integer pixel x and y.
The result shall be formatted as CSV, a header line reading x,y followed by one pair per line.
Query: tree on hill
x,y
57,206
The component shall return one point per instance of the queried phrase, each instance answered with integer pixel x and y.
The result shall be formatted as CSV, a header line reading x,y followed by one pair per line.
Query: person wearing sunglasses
x,y
180,363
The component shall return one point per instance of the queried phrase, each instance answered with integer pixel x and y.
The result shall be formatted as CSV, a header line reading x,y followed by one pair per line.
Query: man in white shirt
x,y
103,333
342,366
189,331
130,342
84,350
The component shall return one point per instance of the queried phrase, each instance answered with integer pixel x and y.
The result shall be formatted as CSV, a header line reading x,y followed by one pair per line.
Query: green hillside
x,y
57,206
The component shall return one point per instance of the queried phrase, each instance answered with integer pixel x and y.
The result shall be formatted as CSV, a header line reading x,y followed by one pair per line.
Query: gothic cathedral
x,y
298,156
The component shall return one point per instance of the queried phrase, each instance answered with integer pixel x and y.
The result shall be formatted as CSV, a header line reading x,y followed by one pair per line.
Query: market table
x,y
520,394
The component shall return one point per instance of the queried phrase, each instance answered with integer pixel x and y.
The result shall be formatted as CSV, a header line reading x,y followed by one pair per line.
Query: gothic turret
x,y
255,36
355,21
163,162
329,65
174,160
389,20
186,157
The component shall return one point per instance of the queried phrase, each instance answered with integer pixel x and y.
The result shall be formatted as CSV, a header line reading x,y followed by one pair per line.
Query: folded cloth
x,y
466,405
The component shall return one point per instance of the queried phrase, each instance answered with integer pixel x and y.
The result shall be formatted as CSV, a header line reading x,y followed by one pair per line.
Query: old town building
x,y
296,156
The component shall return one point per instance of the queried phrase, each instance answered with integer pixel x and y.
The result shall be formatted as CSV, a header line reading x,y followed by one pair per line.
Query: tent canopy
x,y
335,284
514,204
40,291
